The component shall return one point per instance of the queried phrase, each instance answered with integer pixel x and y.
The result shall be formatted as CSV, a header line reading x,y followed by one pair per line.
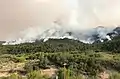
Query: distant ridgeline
x,y
63,45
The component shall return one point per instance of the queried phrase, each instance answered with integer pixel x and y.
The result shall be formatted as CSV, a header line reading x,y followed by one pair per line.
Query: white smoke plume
x,y
80,16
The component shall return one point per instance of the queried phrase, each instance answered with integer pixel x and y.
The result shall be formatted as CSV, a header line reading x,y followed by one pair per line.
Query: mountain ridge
x,y
98,34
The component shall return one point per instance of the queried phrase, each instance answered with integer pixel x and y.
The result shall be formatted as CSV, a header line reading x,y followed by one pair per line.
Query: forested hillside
x,y
62,45
88,60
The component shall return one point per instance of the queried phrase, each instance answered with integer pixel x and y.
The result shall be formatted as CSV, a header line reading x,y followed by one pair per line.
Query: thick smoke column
x,y
74,14
81,14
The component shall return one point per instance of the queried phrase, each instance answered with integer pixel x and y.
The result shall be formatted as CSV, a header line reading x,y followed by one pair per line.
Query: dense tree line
x,y
60,45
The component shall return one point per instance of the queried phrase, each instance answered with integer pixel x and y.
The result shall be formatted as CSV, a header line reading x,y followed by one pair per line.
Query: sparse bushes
x,y
30,75
115,75
36,75
18,59
31,66
68,74
90,64
42,63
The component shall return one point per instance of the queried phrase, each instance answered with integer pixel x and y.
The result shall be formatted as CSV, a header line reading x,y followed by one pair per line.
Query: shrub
x,y
35,75
115,75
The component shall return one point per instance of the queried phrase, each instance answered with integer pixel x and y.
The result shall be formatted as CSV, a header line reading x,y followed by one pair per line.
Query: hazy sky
x,y
17,15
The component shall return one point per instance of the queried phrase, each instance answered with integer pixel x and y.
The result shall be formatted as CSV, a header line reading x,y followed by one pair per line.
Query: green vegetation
x,y
29,60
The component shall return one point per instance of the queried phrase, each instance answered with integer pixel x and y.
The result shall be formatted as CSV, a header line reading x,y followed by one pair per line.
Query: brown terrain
x,y
6,69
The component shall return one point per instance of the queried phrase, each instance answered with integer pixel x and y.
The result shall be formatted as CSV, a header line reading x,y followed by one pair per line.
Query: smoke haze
x,y
38,15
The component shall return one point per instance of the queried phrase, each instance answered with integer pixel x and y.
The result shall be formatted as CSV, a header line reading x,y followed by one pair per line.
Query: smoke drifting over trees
x,y
39,15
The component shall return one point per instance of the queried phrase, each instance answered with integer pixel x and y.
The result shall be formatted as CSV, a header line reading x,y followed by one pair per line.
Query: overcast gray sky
x,y
17,15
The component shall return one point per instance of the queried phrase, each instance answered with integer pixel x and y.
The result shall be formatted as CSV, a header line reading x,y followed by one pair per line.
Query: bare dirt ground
x,y
49,72
7,68
4,74
104,75
11,67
